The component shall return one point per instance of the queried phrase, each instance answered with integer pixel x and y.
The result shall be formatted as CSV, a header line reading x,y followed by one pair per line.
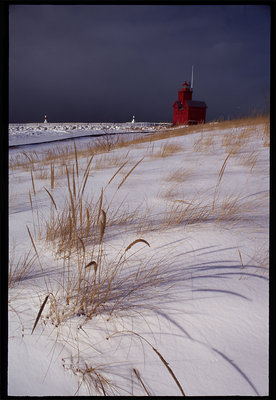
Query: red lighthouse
x,y
186,110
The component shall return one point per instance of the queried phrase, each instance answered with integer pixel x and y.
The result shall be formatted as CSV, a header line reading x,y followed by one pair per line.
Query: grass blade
x,y
52,176
76,159
140,380
111,179
127,175
136,241
86,173
39,312
100,206
103,224
51,197
90,265
32,240
169,369
33,181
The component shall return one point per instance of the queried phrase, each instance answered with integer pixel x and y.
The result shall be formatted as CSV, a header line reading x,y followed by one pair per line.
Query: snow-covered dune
x,y
182,309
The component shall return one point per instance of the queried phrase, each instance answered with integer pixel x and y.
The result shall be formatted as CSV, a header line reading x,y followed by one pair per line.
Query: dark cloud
x,y
106,63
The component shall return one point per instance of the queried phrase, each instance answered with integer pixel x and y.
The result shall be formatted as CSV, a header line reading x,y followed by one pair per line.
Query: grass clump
x,y
103,285
92,283
179,175
204,143
227,211
166,150
20,270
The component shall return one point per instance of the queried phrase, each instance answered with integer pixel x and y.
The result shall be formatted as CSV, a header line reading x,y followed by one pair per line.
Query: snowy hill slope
x,y
191,292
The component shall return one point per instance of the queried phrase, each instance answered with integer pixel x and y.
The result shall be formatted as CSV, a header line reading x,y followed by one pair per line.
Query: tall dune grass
x,y
91,283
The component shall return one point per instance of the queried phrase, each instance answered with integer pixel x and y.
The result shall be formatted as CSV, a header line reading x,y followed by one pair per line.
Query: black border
x,y
4,117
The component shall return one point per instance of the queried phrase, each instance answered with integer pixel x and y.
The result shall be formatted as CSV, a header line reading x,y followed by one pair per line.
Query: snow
x,y
206,314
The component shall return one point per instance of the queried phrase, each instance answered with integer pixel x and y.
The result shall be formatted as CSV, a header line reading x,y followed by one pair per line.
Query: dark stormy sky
x,y
96,63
